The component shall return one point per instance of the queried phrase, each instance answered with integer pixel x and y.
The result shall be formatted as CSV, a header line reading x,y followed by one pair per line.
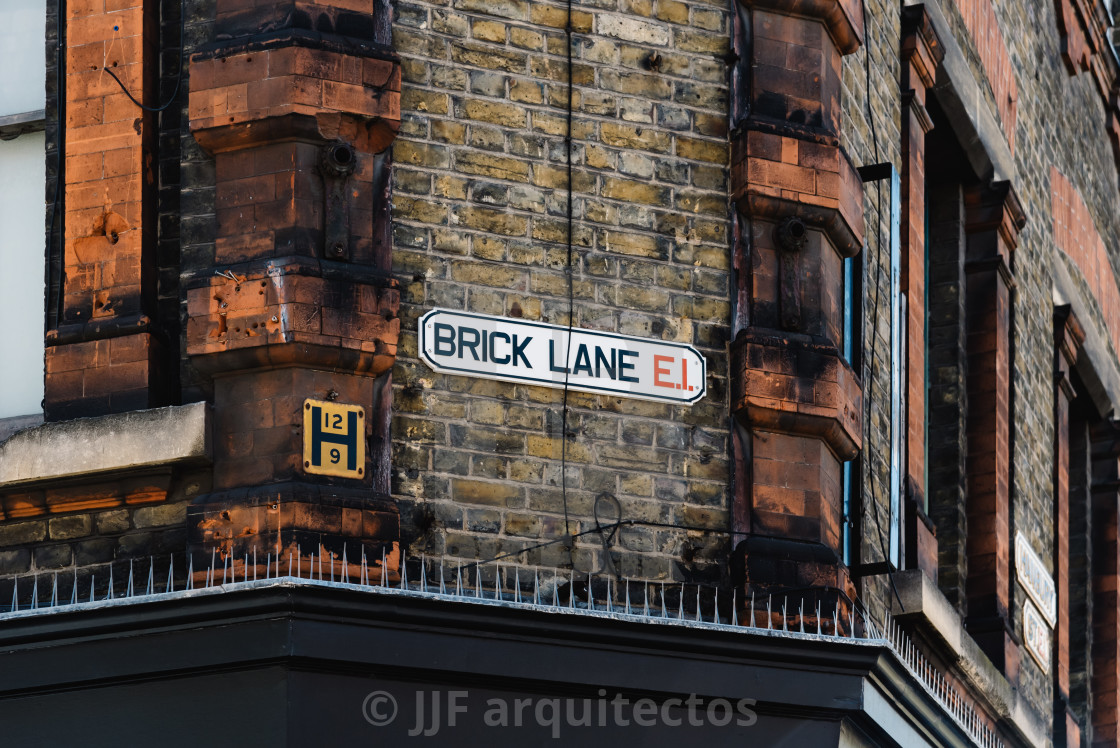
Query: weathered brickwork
x,y
1039,143
480,224
135,526
1076,234
204,257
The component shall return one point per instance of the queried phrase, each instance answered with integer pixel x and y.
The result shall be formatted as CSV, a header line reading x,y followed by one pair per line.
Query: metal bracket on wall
x,y
875,173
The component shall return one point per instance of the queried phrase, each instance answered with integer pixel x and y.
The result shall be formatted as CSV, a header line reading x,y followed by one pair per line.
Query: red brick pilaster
x,y
1104,684
1068,337
103,356
299,302
993,220
801,209
921,54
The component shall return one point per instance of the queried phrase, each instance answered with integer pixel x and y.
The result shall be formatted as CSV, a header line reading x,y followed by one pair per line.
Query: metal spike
x,y
852,622
590,593
190,572
151,576
74,589
497,581
680,604
363,570
645,598
277,574
801,615
459,581
818,617
610,607
423,573
442,574
92,585
54,591
254,563
572,588
536,587
227,566
110,597
769,615
785,616
404,570
15,594
290,560
129,591
698,603
321,549
715,607
627,582
517,584
752,609
664,614
267,564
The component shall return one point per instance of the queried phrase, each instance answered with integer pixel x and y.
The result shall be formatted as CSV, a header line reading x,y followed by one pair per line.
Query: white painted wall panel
x,y
22,56
22,242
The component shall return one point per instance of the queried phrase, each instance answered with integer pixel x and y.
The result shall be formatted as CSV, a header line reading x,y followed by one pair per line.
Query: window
x,y
22,164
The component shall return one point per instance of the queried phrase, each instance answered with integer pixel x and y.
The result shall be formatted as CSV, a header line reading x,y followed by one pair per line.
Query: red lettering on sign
x,y
658,370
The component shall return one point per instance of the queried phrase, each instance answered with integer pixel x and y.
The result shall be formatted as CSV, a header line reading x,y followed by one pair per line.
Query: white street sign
x,y
511,350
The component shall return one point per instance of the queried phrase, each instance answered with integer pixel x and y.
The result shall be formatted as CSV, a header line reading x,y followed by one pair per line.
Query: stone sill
x,y
133,442
929,611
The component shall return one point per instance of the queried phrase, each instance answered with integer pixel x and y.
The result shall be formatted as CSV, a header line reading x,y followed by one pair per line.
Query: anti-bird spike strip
x,y
892,633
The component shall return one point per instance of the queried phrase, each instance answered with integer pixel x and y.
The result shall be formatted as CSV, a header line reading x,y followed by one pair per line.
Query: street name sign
x,y
1036,635
511,350
1036,581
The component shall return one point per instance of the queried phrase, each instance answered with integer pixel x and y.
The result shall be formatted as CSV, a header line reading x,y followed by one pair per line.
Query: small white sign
x,y
1037,582
482,345
1036,634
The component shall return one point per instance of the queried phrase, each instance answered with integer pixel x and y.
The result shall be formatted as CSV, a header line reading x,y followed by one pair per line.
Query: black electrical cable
x,y
571,310
609,528
875,305
178,77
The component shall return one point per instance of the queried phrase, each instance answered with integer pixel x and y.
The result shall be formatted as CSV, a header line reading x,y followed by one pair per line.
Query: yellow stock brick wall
x,y
480,224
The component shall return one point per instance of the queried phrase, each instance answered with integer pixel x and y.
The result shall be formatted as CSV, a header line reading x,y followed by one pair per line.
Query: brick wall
x,y
108,225
1076,234
988,39
479,223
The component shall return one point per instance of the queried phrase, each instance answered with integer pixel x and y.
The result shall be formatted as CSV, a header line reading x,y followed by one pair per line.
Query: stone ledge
x,y
972,118
940,625
138,440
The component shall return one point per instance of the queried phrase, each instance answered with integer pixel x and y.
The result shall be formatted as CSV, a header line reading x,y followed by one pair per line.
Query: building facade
x,y
816,444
